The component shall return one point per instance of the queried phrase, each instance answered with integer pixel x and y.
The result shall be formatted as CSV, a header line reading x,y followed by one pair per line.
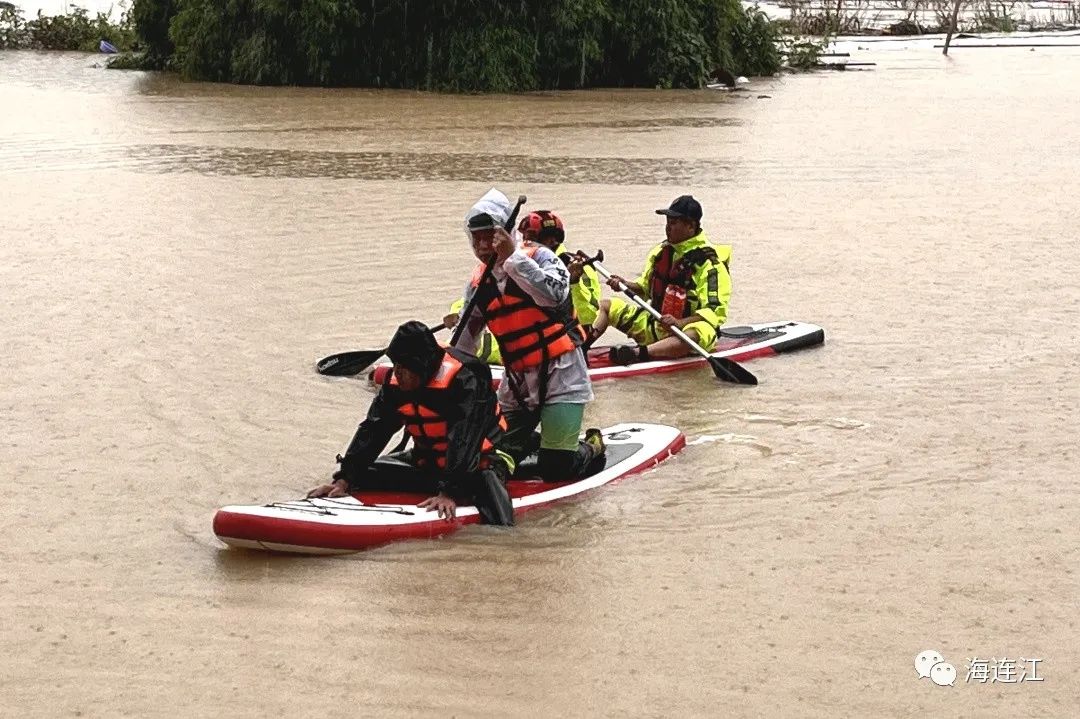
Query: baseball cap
x,y
683,206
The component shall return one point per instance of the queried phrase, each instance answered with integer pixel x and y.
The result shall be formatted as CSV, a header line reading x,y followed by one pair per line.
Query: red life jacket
x,y
425,420
527,333
672,282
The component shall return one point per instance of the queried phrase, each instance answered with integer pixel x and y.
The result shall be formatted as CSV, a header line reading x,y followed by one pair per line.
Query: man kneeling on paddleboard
x,y
522,294
444,400
685,279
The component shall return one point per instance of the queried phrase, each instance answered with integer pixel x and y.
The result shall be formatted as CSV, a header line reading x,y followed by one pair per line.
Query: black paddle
x,y
348,364
724,368
488,267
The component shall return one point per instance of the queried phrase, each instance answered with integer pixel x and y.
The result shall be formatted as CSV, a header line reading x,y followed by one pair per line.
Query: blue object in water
x,y
108,47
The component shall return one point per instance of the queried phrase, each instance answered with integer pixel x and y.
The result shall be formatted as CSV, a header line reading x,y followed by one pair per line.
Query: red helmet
x,y
544,223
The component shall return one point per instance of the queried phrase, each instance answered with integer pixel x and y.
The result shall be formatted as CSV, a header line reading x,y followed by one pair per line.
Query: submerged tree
x,y
74,30
457,45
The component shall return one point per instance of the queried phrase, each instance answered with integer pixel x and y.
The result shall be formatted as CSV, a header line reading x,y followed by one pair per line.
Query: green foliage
x,y
12,28
73,31
489,58
989,21
655,43
458,45
151,19
132,61
804,53
754,42
567,40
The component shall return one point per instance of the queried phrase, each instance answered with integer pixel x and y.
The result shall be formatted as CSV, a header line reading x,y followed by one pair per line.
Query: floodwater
x,y
176,257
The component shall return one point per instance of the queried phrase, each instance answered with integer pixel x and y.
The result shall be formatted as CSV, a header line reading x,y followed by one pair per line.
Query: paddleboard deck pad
x,y
737,343
368,519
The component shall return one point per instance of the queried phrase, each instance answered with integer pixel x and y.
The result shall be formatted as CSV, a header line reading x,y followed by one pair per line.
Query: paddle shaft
x,y
488,267
651,310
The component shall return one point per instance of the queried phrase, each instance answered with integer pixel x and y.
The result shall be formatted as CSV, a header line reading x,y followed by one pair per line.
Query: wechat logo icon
x,y
931,665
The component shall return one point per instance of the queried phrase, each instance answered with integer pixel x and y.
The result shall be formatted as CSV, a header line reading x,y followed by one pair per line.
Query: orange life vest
x,y
527,333
671,282
426,422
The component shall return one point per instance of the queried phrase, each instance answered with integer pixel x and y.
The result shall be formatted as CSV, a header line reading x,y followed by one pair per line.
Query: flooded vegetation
x,y
73,30
919,17
458,45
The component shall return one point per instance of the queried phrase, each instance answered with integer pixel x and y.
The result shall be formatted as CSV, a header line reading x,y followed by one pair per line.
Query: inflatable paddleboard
x,y
738,343
369,519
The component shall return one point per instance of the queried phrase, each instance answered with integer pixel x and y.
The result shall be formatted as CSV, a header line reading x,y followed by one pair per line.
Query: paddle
x,y
488,267
724,369
347,364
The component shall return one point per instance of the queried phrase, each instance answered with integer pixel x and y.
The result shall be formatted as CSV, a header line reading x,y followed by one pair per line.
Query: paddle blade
x,y
730,371
347,364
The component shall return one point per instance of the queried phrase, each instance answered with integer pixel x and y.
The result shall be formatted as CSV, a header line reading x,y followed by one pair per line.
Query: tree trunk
x,y
581,78
952,27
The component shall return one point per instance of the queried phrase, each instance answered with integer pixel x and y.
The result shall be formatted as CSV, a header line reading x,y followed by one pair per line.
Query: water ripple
x,y
416,166
842,423
637,124
731,438
398,166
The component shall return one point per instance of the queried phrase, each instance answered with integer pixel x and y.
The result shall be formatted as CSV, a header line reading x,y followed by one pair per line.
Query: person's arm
x,y
381,424
545,279
371,437
475,401
450,321
619,283
586,296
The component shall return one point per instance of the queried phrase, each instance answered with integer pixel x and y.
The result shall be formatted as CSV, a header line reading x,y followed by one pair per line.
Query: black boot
x,y
492,500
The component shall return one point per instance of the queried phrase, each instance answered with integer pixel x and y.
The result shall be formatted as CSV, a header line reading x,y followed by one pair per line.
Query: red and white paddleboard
x,y
370,519
740,343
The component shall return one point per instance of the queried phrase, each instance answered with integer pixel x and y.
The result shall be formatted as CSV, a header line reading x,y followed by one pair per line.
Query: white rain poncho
x,y
494,204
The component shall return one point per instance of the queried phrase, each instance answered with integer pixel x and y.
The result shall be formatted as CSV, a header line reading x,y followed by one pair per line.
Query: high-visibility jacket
x,y
585,293
688,278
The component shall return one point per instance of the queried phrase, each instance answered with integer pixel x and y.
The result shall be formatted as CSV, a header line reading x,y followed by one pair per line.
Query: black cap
x,y
482,221
414,347
683,206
